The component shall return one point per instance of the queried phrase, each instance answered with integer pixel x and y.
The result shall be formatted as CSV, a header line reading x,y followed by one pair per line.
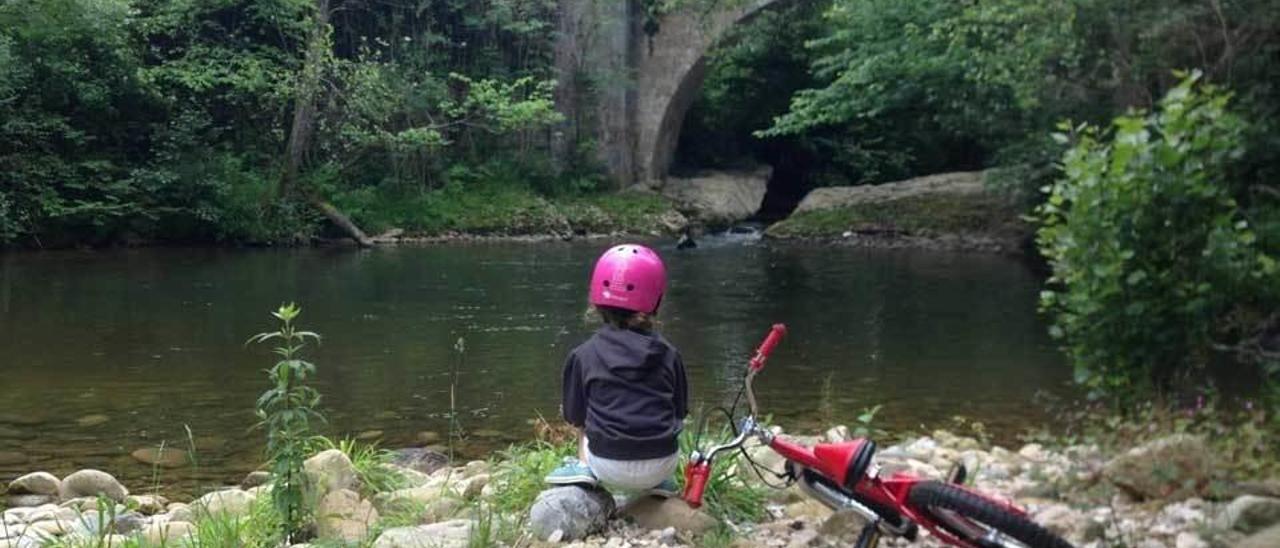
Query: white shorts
x,y
631,474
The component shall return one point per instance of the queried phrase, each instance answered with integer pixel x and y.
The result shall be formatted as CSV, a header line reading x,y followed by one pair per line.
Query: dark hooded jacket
x,y
627,390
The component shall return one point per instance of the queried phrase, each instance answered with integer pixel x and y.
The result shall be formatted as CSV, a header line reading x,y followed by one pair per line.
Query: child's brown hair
x,y
625,319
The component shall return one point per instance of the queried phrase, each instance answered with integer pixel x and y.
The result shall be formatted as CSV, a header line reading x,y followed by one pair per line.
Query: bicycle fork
x,y
836,500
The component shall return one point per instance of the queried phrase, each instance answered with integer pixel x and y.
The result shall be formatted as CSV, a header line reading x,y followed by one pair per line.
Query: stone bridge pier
x,y
627,92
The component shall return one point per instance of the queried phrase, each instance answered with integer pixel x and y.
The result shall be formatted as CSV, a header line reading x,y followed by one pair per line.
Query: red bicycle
x,y
844,476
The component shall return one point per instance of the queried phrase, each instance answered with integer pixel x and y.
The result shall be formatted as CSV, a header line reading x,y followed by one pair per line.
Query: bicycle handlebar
x,y
766,348
698,470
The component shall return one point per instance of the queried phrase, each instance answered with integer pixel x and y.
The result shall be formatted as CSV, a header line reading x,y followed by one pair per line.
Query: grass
x,y
630,212
916,215
727,496
495,209
519,472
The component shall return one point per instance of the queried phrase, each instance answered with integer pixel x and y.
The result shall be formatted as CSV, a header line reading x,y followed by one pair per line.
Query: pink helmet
x,y
630,277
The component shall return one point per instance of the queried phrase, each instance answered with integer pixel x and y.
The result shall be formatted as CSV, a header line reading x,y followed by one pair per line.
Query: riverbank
x,y
1160,493
949,211
900,215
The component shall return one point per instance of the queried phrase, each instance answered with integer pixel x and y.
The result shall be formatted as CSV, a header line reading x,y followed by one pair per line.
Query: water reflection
x,y
154,341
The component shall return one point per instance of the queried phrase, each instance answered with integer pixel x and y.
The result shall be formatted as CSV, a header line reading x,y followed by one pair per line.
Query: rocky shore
x,y
1160,494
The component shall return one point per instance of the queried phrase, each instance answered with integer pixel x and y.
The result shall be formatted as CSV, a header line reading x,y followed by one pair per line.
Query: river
x,y
105,352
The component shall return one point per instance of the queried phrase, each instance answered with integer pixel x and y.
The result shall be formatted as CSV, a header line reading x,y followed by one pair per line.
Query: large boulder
x,y
659,513
574,511
447,534
344,516
36,483
1250,513
1173,467
954,184
721,197
92,483
420,459
330,471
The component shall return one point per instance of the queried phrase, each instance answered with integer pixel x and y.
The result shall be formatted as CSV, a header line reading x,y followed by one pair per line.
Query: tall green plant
x,y
1149,250
286,411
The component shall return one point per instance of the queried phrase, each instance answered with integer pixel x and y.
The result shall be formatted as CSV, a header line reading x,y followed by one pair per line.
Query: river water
x,y
102,353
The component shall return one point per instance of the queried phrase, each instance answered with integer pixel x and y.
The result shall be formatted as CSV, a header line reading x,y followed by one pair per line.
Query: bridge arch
x,y
669,74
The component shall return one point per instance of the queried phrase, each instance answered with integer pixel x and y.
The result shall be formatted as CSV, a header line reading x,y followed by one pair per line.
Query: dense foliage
x,y
898,89
171,118
1165,267
1153,259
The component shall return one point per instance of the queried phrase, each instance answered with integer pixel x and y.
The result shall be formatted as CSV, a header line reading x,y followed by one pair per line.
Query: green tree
x,y
922,86
1150,252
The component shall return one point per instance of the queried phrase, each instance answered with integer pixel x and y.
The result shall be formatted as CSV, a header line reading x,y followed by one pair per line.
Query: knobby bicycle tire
x,y
952,507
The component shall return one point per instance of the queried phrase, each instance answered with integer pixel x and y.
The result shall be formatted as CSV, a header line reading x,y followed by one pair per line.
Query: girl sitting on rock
x,y
625,388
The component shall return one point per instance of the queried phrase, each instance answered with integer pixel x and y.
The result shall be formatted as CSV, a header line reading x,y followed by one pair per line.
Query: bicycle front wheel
x,y
978,520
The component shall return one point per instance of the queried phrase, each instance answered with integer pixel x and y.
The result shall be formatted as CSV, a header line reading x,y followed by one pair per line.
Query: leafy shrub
x,y
1149,250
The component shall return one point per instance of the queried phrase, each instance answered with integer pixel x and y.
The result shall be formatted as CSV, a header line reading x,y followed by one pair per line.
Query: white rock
x,y
449,534
837,434
719,197
179,512
330,471
1250,513
475,468
36,483
167,532
343,515
92,483
1187,539
1032,451
227,502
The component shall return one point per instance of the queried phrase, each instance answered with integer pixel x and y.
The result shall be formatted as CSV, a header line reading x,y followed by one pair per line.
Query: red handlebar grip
x,y
695,481
766,348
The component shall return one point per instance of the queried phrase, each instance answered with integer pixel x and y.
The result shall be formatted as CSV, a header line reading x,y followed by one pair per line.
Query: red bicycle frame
x,y
841,475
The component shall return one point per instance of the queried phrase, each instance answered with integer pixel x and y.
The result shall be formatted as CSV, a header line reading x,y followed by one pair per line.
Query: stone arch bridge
x,y
627,91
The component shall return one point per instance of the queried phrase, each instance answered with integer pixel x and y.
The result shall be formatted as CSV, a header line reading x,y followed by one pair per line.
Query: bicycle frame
x,y
843,476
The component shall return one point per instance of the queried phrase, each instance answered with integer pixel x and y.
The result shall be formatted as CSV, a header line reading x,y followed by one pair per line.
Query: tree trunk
x,y
304,115
304,106
338,218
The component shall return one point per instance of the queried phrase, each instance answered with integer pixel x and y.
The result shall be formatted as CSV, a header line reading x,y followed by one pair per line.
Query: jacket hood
x,y
626,351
